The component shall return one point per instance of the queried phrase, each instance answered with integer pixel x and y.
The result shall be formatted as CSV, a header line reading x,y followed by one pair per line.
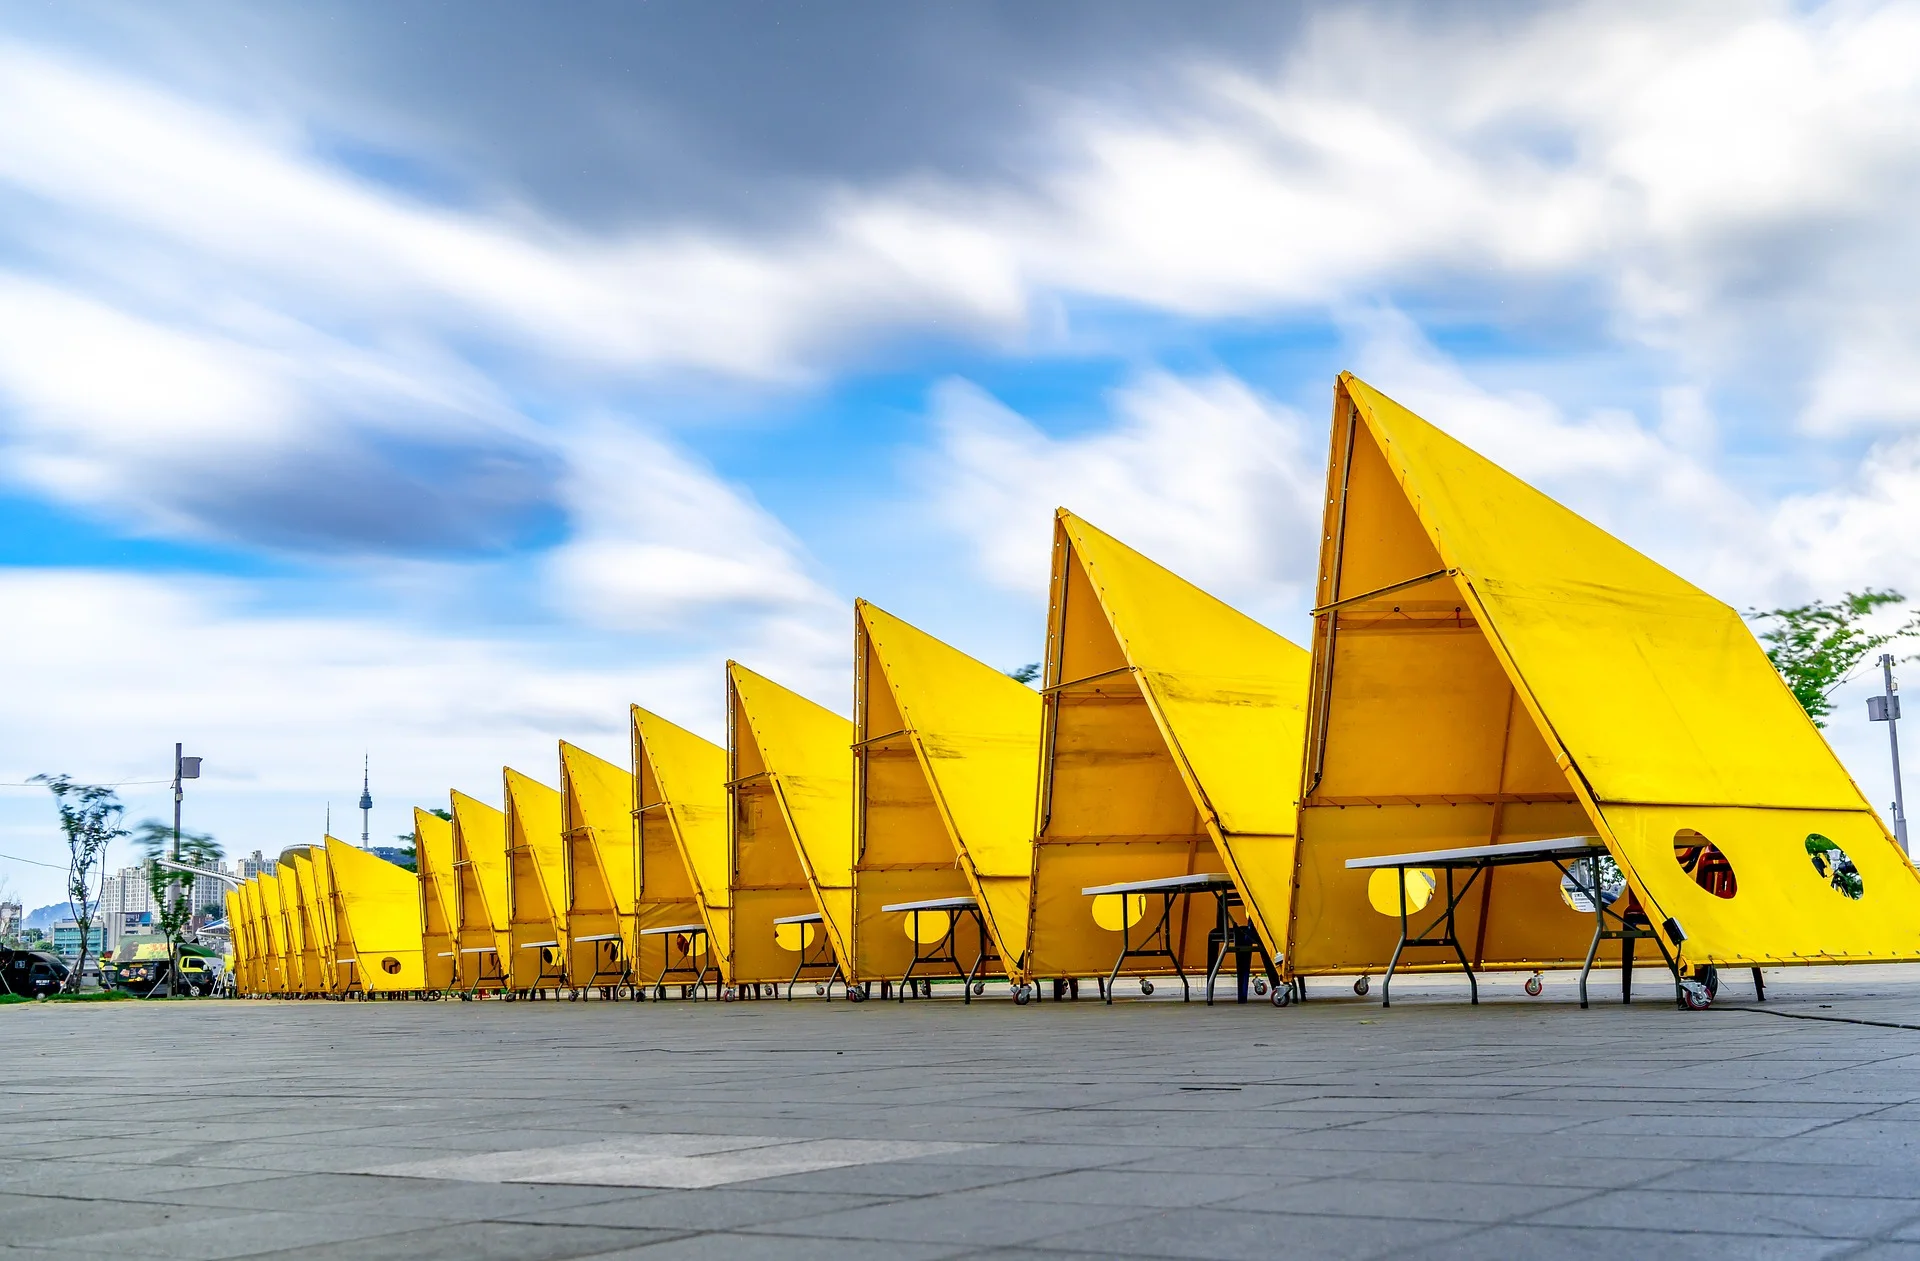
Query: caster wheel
x,y
659,993
1022,995
1259,988
466,998
508,996
1282,995
1362,985
926,989
979,988
728,994
1709,976
855,993
1146,987
1694,996
769,991
573,996
1533,985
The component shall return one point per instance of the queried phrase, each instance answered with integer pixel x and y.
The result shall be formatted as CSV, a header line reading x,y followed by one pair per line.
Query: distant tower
x,y
366,800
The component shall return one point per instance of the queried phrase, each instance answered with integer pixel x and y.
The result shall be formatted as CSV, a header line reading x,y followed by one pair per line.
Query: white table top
x,y
675,928
811,917
1488,855
600,937
1167,884
936,904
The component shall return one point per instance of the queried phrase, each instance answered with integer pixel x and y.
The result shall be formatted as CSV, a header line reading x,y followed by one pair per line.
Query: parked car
x,y
140,967
31,973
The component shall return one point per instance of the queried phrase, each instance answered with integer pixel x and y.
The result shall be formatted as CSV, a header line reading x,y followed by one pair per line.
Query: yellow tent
x,y
480,895
303,967
1172,730
1490,667
596,801
320,916
273,927
439,896
377,913
791,786
237,934
680,813
536,885
945,764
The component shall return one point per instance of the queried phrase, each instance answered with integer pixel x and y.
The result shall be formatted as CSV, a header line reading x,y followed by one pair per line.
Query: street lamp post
x,y
1886,708
183,768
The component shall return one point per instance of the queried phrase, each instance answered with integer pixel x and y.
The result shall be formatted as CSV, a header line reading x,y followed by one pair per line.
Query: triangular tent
x,y
480,894
1488,666
273,925
377,914
439,894
320,899
791,783
1173,731
945,765
596,801
680,787
536,884
237,934
303,945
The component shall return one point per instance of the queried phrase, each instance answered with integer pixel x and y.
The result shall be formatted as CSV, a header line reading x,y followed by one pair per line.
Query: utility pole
x,y
183,768
1886,708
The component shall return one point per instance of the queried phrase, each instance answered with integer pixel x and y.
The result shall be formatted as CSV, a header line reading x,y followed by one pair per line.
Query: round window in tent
x,y
1832,865
1701,859
933,926
1114,911
1383,889
1576,887
390,965
793,937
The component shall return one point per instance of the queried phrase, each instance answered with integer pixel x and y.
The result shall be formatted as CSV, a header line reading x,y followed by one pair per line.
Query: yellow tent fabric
x,y
680,812
274,922
270,969
596,800
320,899
946,763
791,785
480,902
1173,729
536,884
237,934
439,896
1489,666
377,911
303,967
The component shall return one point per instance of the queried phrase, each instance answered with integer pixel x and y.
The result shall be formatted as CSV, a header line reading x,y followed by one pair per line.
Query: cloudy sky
x,y
432,380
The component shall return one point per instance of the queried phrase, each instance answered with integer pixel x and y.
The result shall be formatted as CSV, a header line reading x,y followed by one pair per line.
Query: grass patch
x,y
91,996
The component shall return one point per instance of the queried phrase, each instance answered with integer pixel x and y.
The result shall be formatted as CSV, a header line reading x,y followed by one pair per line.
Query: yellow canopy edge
x,y
439,896
378,907
536,882
680,789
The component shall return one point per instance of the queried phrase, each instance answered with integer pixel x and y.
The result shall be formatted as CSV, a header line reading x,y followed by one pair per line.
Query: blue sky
x,y
432,382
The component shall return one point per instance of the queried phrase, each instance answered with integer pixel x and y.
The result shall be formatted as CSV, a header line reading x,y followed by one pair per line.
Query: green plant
x,y
1817,646
90,817
172,889
1026,673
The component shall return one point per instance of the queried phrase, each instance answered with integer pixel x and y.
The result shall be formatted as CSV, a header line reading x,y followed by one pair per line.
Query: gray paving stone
x,y
1723,1212
1214,1233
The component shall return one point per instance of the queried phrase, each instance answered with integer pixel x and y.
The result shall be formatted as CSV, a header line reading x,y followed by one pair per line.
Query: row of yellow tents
x,y
1486,667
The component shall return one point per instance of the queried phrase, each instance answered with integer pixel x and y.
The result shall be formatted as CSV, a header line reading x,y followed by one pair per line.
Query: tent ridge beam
x,y
1389,589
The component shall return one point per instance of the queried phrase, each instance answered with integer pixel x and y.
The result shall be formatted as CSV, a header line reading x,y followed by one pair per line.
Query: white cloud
x,y
659,539
1203,475
110,670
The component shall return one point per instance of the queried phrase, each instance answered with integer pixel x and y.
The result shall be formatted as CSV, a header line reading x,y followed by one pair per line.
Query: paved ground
x,y
1525,1127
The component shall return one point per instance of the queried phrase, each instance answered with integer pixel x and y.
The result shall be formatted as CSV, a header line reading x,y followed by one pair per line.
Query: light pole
x,y
1886,708
183,768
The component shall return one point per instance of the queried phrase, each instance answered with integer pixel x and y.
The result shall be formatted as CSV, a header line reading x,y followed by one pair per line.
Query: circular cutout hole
x,y
1832,865
793,937
1702,859
1114,911
1383,889
933,926
1576,887
390,965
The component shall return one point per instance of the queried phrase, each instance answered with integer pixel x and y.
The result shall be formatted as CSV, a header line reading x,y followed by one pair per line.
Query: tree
x,y
172,889
90,816
1026,673
1818,646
